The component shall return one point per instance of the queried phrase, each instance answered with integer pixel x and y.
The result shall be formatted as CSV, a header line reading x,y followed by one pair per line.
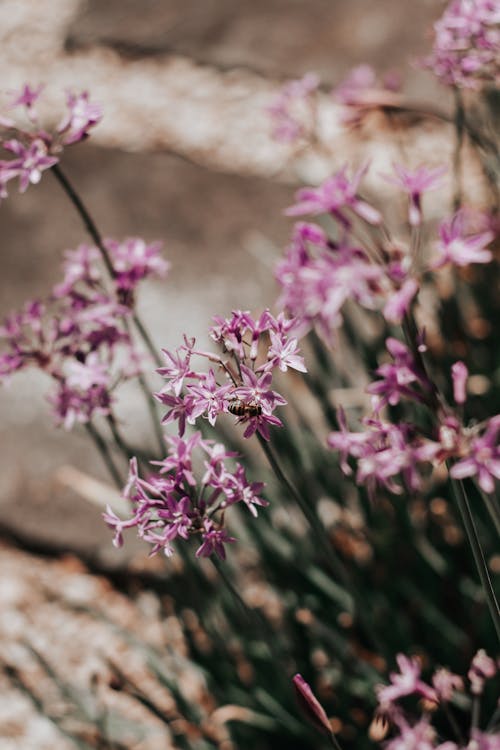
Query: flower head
x,y
334,196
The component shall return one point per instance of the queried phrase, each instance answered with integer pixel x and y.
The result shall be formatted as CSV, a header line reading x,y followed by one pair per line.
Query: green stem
x,y
462,502
491,504
335,564
103,449
457,157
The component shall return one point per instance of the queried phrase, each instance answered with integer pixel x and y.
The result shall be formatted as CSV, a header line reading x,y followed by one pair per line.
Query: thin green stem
x,y
458,489
85,216
308,512
457,157
492,507
103,449
147,339
462,502
321,537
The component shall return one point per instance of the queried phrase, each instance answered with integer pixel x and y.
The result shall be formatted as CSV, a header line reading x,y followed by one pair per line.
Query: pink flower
x,y
458,247
396,378
82,115
446,683
177,369
482,668
399,302
208,397
467,40
415,183
80,265
483,460
335,195
406,682
31,161
420,736
134,260
214,540
27,97
290,109
283,353
459,375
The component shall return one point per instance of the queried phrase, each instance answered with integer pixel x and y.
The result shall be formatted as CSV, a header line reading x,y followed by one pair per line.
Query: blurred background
x,y
183,155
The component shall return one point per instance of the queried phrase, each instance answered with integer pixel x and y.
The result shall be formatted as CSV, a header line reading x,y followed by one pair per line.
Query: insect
x,y
242,409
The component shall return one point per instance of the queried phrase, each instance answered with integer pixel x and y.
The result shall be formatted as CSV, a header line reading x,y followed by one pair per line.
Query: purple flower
x,y
420,736
291,110
482,668
405,682
134,260
230,332
83,375
415,183
396,378
283,353
335,195
484,740
483,460
399,302
118,524
27,97
179,458
82,115
214,540
80,265
239,489
467,40
181,409
208,397
71,405
316,282
459,375
459,247
445,683
31,161
177,369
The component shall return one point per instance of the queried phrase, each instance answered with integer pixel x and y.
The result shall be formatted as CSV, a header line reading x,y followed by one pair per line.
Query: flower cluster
x,y
252,349
467,44
34,150
387,453
79,336
293,109
409,732
319,272
173,504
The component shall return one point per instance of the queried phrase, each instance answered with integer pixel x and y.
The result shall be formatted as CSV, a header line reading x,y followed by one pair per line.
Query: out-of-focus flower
x,y
405,682
483,459
29,163
291,110
466,48
415,183
459,375
482,668
446,683
456,245
81,116
334,196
